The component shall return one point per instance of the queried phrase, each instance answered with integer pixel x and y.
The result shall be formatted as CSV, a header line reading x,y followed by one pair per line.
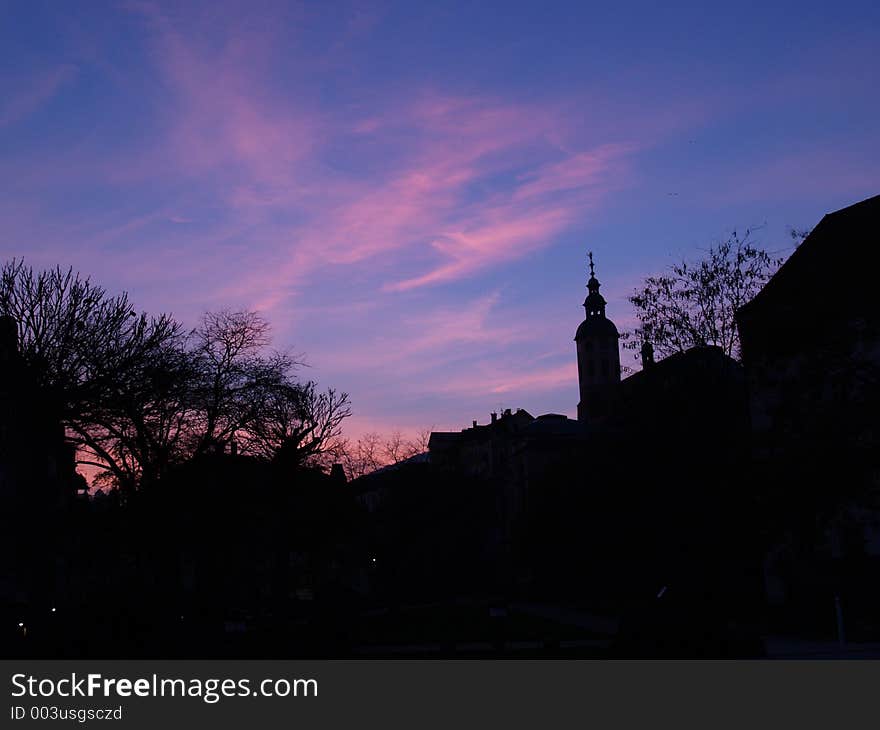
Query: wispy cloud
x,y
537,206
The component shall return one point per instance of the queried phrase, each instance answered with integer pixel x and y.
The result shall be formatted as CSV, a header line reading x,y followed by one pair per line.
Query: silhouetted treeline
x,y
138,394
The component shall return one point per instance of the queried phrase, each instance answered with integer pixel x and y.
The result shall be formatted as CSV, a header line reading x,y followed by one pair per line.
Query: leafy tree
x,y
695,302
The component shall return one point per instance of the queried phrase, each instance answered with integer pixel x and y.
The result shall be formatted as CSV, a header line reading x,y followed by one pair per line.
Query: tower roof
x,y
596,323
596,327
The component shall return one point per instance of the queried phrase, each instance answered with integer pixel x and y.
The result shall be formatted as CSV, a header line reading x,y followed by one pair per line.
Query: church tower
x,y
598,355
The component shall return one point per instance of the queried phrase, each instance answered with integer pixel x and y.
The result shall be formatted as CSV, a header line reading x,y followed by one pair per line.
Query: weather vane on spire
x,y
592,273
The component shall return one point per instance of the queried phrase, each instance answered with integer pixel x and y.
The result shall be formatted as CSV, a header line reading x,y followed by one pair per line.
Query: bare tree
x,y
373,451
140,427
236,378
298,423
396,448
420,440
695,303
363,456
138,394
94,355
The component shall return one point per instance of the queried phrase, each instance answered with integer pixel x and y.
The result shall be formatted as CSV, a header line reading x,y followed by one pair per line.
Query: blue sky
x,y
408,190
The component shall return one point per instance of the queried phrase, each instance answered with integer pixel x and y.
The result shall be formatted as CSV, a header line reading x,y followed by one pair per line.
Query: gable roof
x,y
829,259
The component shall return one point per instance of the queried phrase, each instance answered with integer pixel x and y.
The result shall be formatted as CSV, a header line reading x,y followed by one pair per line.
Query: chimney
x,y
647,355
475,424
494,417
8,338
337,474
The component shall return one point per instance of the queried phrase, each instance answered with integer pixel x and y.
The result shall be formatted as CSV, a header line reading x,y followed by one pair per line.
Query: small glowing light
x,y
662,591
20,625
53,609
374,560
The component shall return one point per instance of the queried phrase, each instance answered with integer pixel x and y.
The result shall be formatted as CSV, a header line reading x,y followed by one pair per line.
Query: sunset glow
x,y
408,192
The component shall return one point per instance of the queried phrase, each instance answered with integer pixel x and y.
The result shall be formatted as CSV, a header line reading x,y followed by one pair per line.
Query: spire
x,y
593,283
595,302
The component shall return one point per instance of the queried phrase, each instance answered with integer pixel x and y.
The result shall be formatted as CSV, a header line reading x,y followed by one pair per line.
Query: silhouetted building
x,y
38,480
643,490
669,408
674,406
36,463
811,342
493,453
549,441
484,450
598,356
685,399
516,450
811,350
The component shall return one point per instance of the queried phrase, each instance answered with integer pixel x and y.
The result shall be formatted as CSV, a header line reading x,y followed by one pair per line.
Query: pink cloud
x,y
542,204
426,207
536,381
473,182
515,383
435,201
489,242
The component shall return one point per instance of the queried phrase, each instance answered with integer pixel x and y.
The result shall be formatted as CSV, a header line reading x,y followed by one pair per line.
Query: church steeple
x,y
595,302
598,355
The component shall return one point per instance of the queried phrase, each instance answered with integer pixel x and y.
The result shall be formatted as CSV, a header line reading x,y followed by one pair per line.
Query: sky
x,y
408,191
